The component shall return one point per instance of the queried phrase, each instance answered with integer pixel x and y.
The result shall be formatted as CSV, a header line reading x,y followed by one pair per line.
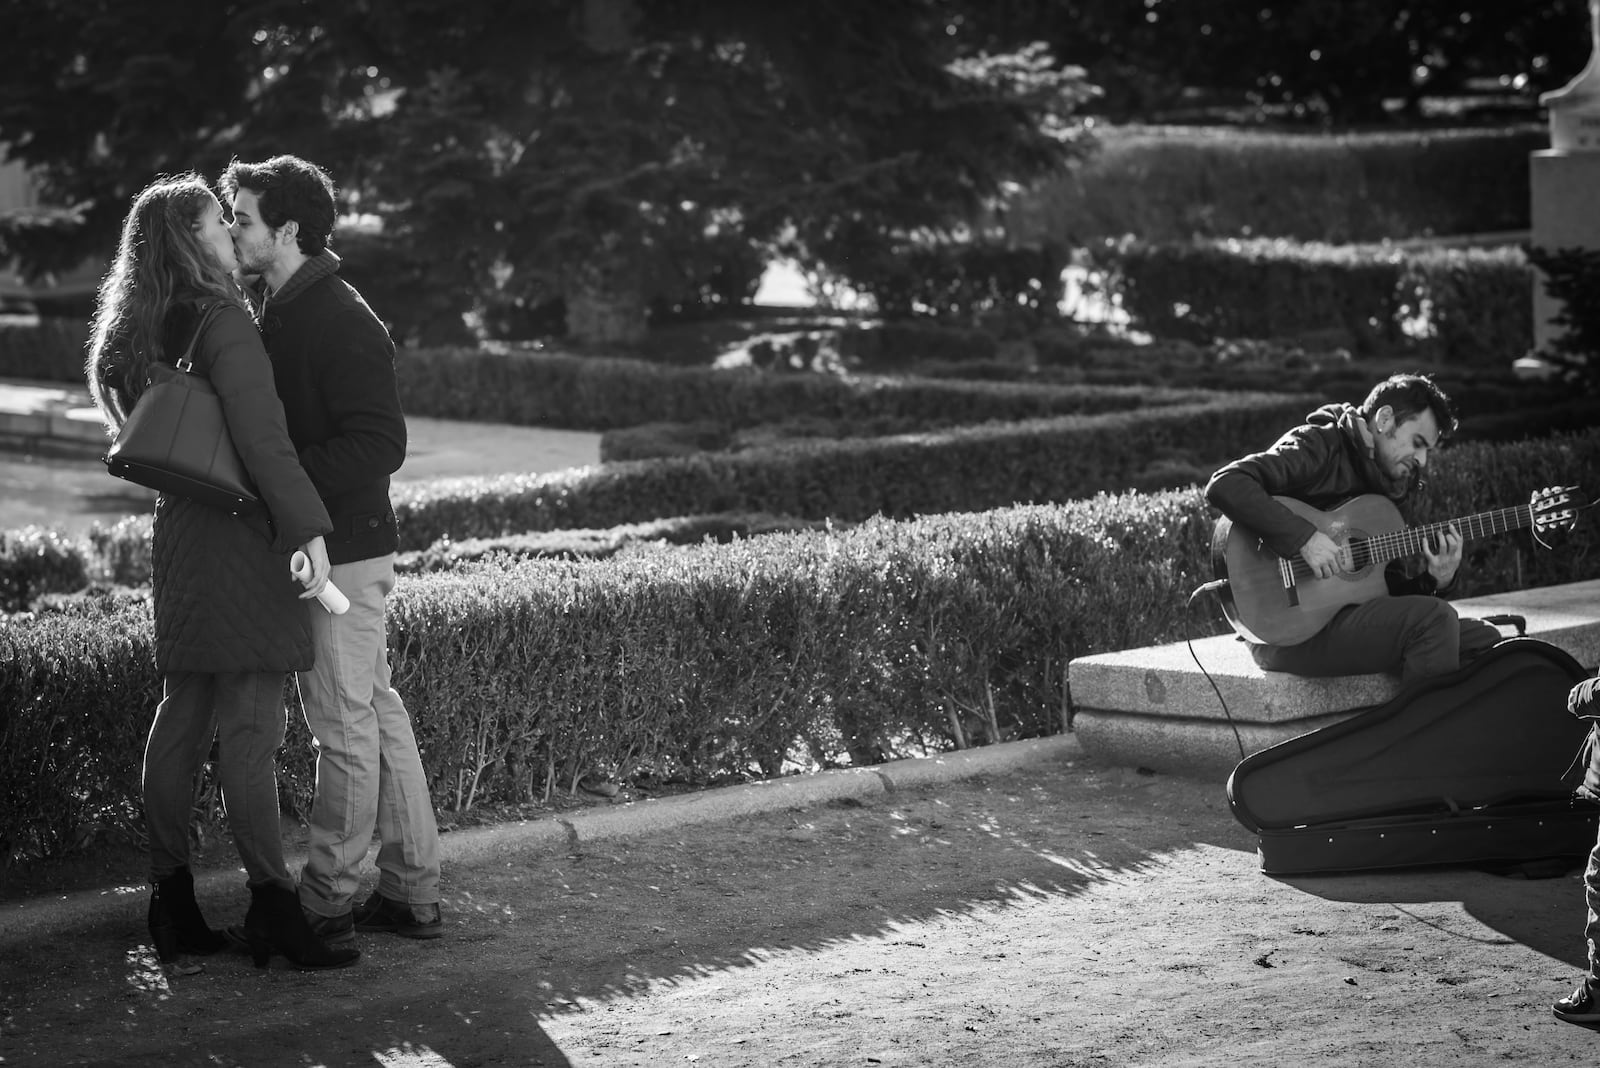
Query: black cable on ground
x,y
1210,587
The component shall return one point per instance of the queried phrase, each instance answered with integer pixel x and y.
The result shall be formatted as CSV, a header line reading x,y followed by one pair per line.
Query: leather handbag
x,y
176,439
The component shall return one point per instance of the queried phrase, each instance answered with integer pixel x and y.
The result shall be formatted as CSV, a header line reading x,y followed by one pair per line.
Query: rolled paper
x,y
330,597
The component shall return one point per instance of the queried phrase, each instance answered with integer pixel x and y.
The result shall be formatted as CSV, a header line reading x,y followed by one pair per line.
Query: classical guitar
x,y
1278,601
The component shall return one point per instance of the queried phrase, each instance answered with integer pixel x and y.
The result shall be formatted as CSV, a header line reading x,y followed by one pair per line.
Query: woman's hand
x,y
317,552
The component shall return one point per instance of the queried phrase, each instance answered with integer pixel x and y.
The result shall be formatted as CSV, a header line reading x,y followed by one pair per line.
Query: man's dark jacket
x,y
1323,462
333,363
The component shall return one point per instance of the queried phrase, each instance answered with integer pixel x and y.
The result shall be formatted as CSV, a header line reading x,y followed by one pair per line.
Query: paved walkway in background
x,y
51,438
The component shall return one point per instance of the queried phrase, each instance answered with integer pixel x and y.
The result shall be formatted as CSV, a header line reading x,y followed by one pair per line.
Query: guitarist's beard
x,y
1396,487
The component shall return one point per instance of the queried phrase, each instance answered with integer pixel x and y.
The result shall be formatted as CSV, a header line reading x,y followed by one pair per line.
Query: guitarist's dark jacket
x,y
1323,462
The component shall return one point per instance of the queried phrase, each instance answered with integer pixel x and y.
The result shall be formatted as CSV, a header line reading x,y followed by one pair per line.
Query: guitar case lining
x,y
1474,767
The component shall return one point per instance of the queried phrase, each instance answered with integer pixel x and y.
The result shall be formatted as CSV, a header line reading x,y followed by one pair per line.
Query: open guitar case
x,y
1477,767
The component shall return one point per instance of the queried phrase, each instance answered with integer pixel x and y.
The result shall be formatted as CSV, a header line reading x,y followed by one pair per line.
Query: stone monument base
x,y
1564,185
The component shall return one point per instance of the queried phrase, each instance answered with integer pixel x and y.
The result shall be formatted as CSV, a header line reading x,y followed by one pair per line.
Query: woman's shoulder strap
x,y
206,310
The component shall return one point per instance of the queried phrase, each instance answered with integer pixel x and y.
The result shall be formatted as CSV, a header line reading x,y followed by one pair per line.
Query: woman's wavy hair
x,y
160,259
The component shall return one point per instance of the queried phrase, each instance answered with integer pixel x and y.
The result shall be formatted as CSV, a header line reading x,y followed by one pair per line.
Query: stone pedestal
x,y
1565,179
1565,190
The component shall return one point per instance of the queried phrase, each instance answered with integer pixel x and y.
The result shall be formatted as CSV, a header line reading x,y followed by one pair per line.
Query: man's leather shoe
x,y
380,913
334,930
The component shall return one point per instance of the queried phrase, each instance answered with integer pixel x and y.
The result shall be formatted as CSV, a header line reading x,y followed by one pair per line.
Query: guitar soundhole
x,y
1357,556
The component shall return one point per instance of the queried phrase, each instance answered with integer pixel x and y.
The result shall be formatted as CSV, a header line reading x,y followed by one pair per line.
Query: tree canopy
x,y
1328,61
611,158
604,153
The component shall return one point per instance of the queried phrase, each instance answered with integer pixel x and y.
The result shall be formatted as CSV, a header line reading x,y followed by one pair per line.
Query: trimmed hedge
x,y
446,554
1477,302
604,393
597,510
749,658
43,348
1175,183
964,282
35,561
966,469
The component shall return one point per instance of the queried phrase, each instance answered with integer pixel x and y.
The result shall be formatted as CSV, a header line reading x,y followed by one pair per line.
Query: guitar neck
x,y
1410,541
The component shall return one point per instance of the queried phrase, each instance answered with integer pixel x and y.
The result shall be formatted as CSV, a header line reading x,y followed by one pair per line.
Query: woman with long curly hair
x,y
230,620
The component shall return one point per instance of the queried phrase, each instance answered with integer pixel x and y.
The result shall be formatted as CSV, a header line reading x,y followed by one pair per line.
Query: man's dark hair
x,y
1409,395
288,187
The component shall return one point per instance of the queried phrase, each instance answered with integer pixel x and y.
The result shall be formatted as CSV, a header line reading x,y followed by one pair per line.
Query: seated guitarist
x,y
1341,451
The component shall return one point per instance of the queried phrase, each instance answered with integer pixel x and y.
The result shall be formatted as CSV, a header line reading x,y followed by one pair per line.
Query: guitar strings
x,y
1398,543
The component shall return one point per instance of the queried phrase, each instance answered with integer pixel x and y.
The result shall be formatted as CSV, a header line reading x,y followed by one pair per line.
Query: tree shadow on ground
x,y
1544,914
1082,851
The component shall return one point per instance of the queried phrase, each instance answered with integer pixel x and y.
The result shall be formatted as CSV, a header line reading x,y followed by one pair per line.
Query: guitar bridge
x,y
1290,587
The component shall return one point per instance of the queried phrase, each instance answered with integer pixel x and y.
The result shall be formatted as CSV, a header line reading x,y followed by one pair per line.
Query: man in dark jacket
x,y
333,363
1341,452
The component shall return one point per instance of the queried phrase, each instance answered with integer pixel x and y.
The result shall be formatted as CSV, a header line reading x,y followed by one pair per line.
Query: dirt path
x,y
1069,915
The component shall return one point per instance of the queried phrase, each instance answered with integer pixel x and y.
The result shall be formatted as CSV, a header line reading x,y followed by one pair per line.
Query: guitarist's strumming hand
x,y
1322,554
1442,563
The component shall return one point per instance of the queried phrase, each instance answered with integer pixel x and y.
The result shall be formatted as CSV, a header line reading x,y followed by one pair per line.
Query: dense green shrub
x,y
1262,289
121,553
650,441
964,283
1478,303
34,562
911,343
77,692
1571,277
1172,184
1469,307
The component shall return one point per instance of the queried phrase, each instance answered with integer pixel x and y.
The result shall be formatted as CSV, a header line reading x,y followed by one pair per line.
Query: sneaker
x,y
1580,1006
334,930
413,921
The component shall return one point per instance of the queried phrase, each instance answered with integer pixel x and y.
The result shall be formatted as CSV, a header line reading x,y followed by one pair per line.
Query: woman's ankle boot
x,y
176,923
275,924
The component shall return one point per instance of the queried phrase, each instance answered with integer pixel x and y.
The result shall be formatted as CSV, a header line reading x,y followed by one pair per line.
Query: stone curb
x,y
35,917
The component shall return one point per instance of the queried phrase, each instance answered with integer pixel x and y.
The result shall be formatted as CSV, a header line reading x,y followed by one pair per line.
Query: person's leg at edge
x,y
408,855
337,696
1419,636
1591,927
250,727
1582,1006
179,742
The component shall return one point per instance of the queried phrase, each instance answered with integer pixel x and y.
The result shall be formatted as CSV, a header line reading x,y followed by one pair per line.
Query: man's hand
x,y
1323,555
1442,563
317,552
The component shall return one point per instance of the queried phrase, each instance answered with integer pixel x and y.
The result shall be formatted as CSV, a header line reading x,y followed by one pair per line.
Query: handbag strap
x,y
185,363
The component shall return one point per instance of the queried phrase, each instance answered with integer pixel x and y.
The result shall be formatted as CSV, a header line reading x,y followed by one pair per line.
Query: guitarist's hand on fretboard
x,y
1442,564
1322,554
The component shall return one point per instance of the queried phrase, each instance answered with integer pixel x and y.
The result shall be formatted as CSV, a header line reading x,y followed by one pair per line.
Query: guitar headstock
x,y
1556,508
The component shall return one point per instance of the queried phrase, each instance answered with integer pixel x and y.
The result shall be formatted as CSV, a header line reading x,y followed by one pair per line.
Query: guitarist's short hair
x,y
1412,394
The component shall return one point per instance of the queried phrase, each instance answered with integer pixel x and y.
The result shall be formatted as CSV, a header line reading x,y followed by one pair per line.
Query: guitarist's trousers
x,y
1418,636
